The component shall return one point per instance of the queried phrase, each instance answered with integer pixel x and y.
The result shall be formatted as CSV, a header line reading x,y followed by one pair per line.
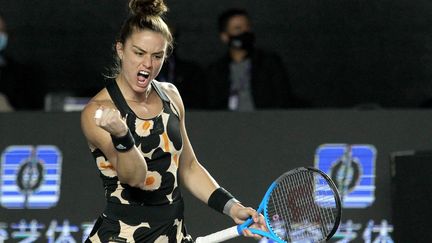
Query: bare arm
x,y
130,166
192,174
197,179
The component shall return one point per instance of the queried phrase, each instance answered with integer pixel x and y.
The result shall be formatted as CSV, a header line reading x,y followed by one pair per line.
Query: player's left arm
x,y
194,176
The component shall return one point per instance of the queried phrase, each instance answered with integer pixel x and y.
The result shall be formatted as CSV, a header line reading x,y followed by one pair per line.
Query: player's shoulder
x,y
169,89
172,92
166,86
100,99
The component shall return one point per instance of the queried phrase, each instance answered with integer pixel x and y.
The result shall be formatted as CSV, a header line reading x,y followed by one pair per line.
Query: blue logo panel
x,y
352,168
30,177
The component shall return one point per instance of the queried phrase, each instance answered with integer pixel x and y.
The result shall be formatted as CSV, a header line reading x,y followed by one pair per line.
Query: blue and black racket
x,y
302,205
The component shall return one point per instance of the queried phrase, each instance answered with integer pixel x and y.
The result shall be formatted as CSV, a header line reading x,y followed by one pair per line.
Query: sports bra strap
x,y
117,97
164,97
120,102
158,90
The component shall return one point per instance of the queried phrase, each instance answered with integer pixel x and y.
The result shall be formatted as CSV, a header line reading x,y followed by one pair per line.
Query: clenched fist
x,y
111,121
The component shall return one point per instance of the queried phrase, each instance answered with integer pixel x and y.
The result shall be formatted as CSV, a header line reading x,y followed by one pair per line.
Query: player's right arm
x,y
130,165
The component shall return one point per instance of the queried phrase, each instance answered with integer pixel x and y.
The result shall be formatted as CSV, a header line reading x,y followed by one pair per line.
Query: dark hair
x,y
225,16
144,15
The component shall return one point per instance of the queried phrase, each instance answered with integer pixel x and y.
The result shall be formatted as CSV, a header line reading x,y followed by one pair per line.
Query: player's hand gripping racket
x,y
302,205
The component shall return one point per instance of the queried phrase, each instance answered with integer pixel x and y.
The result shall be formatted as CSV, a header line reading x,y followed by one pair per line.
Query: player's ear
x,y
119,50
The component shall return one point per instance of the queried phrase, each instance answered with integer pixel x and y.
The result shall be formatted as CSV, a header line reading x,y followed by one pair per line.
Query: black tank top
x,y
159,139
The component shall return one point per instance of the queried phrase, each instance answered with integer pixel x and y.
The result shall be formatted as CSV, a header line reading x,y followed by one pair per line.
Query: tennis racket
x,y
302,205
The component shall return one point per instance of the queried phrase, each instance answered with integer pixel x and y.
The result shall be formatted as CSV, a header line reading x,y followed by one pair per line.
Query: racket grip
x,y
220,236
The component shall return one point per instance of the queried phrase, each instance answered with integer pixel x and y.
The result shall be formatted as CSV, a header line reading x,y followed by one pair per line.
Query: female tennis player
x,y
135,128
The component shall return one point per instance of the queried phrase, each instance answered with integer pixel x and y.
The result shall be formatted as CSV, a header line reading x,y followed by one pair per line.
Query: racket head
x,y
302,204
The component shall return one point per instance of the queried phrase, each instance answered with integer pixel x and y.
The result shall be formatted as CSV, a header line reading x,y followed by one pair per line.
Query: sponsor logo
x,y
352,168
30,177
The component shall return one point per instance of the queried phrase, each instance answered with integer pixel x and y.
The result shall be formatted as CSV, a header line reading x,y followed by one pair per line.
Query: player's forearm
x,y
198,181
131,167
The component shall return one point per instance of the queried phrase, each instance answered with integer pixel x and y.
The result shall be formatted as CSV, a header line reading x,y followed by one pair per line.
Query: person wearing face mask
x,y
20,83
246,78
4,101
3,39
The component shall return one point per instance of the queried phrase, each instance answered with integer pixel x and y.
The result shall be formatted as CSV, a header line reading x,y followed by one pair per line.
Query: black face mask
x,y
244,41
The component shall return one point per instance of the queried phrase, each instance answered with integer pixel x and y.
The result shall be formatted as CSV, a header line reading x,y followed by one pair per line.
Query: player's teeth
x,y
144,74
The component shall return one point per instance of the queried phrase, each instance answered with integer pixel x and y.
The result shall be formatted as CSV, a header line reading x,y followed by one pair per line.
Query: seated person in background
x,y
19,83
4,104
245,78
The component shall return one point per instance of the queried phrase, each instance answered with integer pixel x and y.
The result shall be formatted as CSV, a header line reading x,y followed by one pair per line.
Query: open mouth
x,y
142,75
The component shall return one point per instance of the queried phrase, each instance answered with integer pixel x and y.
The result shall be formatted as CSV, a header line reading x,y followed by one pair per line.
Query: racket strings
x,y
302,207
324,203
310,215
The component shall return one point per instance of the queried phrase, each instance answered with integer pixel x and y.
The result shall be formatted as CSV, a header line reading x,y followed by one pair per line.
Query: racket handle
x,y
220,236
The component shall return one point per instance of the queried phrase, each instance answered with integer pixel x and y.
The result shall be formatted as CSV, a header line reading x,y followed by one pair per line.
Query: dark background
x,y
244,152
338,53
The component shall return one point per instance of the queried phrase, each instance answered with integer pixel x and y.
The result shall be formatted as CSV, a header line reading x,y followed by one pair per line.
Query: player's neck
x,y
131,95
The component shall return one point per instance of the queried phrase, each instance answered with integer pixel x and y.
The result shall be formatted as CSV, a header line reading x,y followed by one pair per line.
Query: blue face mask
x,y
3,41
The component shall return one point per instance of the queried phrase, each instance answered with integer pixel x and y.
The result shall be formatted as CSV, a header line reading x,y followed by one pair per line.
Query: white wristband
x,y
229,205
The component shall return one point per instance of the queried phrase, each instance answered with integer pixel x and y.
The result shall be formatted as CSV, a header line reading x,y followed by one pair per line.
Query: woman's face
x,y
142,56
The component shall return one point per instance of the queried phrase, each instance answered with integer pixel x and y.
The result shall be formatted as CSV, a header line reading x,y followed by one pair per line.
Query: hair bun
x,y
148,7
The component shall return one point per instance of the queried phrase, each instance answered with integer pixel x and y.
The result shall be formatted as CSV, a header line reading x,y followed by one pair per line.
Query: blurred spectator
x,y
4,101
186,75
4,104
20,84
246,78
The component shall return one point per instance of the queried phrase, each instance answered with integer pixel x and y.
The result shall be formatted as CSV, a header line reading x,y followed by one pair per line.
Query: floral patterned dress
x,y
155,213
